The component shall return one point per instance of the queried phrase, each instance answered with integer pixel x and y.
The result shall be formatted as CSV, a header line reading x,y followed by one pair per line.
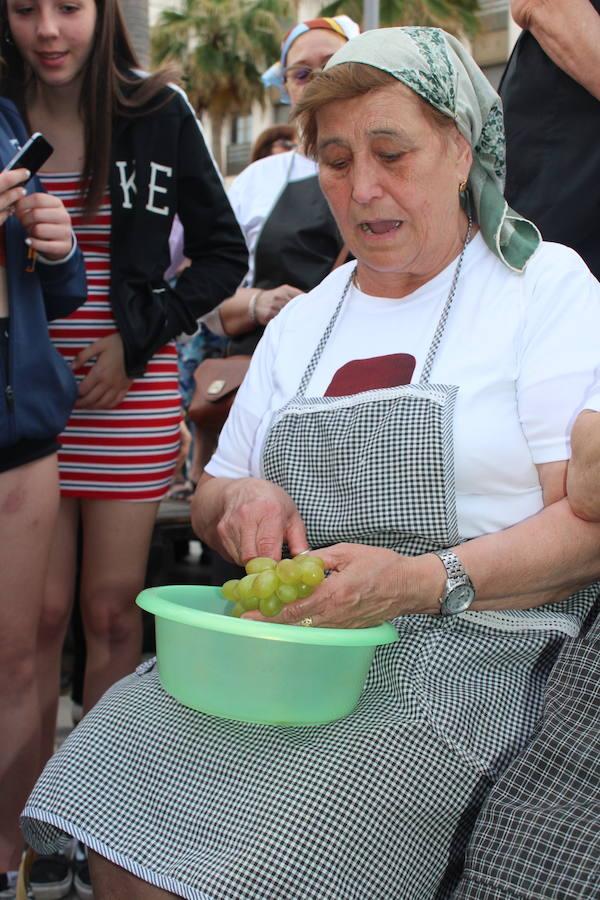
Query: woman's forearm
x,y
569,33
583,475
543,559
235,312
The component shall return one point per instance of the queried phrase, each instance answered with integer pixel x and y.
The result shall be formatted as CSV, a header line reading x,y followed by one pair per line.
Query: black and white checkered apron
x,y
378,805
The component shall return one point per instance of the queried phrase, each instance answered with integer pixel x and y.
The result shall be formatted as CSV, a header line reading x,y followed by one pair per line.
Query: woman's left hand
x,y
47,223
107,383
367,586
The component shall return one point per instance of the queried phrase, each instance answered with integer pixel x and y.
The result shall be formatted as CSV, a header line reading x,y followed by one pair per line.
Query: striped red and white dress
x,y
126,453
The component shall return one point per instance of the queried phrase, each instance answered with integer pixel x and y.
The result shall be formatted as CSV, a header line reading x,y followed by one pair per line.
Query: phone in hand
x,y
32,155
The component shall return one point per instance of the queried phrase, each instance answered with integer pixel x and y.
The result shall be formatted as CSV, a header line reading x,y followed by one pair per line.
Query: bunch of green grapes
x,y
269,585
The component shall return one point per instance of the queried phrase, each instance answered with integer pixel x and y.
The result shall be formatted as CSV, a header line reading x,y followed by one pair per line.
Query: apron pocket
x,y
482,689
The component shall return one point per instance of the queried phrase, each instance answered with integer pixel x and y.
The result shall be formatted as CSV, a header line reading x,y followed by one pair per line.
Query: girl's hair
x,y
110,88
265,140
345,82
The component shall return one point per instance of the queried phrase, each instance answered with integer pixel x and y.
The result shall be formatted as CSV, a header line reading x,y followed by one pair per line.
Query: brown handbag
x,y
217,381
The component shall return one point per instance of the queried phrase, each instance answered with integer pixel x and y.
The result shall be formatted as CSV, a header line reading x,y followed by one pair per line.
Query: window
x,y
241,130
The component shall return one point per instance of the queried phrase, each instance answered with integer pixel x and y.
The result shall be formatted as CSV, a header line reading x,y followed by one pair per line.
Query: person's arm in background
x,y
250,307
569,33
583,476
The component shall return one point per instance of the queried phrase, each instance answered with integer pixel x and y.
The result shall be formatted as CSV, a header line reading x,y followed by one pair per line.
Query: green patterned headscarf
x,y
441,71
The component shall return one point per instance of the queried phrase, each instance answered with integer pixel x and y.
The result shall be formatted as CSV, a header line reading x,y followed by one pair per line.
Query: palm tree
x,y
222,47
456,16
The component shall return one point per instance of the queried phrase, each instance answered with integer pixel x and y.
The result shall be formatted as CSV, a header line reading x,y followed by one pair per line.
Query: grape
x,y
249,603
287,571
287,593
259,564
230,589
270,606
270,585
246,585
247,597
311,572
266,584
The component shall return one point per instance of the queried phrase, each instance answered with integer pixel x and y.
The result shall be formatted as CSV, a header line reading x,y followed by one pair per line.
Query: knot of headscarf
x,y
342,25
440,70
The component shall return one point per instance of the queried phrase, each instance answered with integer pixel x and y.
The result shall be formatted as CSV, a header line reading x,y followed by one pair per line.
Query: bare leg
x,y
28,508
116,543
54,621
110,882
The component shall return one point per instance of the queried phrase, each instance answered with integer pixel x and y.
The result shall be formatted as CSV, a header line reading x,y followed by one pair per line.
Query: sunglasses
x,y
300,74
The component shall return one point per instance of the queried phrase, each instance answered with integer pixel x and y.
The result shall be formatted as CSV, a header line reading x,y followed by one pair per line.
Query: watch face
x,y
458,600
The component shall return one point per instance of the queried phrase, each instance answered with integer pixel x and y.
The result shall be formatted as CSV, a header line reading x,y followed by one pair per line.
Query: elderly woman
x,y
410,418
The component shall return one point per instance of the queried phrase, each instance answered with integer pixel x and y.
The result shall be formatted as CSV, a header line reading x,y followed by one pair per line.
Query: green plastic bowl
x,y
256,671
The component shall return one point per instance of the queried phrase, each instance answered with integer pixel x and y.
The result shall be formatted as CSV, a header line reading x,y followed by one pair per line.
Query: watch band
x,y
452,564
459,592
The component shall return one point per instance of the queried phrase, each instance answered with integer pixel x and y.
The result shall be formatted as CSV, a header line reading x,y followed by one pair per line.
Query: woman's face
x,y
391,177
54,37
308,53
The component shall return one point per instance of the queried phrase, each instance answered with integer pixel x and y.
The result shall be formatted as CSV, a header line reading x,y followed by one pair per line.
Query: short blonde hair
x,y
345,82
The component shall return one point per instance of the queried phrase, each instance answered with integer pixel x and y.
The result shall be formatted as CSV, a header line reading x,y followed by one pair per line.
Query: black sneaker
x,y
51,877
82,882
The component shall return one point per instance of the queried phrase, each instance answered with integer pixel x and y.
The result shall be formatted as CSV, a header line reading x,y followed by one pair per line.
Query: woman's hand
x,y
11,191
255,518
107,383
47,223
270,303
367,586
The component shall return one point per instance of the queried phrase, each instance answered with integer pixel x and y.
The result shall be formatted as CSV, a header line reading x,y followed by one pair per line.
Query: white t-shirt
x,y
523,349
255,191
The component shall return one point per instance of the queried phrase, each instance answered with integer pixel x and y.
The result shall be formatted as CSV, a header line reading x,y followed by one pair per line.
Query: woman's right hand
x,y
271,302
11,191
255,517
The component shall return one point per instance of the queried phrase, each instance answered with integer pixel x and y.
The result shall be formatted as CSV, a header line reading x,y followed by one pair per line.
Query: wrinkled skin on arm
x,y
583,477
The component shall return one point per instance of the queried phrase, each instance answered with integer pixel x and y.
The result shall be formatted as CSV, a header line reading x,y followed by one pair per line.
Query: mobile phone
x,y
32,155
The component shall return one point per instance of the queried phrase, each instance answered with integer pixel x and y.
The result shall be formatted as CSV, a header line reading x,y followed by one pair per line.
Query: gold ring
x,y
307,622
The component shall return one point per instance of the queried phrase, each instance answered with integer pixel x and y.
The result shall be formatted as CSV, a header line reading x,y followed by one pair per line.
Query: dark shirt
x,y
553,164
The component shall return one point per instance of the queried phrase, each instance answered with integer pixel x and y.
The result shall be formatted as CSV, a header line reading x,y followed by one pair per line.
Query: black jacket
x,y
37,400
552,161
161,166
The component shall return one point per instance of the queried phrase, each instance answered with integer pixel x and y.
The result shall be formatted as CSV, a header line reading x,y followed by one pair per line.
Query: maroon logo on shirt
x,y
369,374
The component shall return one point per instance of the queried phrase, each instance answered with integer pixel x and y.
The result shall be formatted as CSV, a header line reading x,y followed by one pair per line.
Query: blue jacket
x,y
38,399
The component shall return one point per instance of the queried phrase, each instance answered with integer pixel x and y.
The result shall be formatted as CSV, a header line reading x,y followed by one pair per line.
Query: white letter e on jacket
x,y
129,187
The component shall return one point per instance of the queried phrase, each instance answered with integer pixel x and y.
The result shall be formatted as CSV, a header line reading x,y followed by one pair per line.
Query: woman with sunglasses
x,y
291,235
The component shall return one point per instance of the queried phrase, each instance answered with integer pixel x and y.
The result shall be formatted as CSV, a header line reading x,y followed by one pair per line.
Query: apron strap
x,y
324,338
439,331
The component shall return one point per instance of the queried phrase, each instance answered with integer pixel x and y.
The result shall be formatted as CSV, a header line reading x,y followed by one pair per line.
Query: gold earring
x,y
462,186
